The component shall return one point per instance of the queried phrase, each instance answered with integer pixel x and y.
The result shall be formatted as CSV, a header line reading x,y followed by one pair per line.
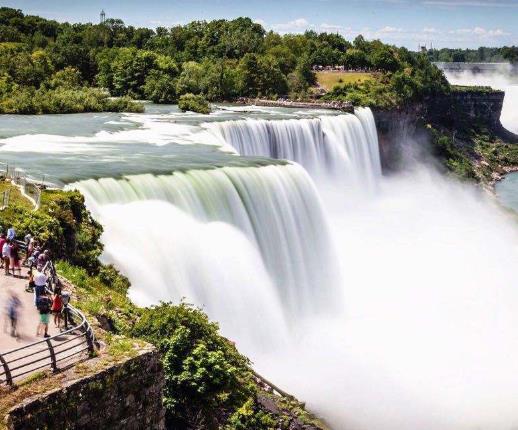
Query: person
x,y
43,305
13,306
11,233
6,256
65,298
15,259
29,247
3,239
43,257
57,308
40,285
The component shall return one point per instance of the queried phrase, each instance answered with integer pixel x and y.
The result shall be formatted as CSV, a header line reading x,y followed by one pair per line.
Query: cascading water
x,y
329,147
276,207
426,334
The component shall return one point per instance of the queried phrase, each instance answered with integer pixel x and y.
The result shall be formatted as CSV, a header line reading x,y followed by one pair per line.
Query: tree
x,y
190,79
160,87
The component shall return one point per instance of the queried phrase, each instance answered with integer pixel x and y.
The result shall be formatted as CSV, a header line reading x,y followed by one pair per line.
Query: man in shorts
x,y
44,305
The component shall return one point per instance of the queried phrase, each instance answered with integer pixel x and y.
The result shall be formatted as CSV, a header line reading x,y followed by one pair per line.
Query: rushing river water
x,y
384,303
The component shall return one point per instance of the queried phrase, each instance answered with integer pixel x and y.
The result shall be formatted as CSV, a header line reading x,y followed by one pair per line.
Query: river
x,y
383,302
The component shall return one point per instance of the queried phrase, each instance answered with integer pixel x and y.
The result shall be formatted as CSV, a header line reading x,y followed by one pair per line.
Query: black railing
x,y
50,353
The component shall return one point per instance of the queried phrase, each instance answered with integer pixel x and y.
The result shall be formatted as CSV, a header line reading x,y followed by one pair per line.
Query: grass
x,y
328,80
15,196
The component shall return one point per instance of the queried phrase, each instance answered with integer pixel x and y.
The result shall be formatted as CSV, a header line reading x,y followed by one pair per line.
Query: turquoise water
x,y
66,148
507,191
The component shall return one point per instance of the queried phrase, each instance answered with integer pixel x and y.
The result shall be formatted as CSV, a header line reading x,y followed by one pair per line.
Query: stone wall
x,y
127,395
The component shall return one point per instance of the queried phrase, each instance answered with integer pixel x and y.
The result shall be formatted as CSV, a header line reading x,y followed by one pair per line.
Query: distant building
x,y
103,17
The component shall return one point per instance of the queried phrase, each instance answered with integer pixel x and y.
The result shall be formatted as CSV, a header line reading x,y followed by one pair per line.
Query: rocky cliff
x,y
404,132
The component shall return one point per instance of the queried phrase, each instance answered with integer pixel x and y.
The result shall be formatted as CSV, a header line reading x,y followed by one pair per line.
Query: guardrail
x,y
50,352
30,188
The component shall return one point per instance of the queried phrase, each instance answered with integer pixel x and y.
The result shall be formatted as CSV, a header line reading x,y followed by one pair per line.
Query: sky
x,y
410,23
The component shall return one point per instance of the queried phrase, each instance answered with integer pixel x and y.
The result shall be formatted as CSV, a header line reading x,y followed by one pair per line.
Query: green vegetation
x,y
194,103
471,89
48,67
406,77
209,384
15,195
455,157
62,223
328,80
480,55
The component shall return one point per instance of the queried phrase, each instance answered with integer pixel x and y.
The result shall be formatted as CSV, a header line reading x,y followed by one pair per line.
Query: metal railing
x,y
30,188
51,352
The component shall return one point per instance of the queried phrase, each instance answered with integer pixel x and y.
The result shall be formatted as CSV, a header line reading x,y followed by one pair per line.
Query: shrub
x,y
194,103
204,372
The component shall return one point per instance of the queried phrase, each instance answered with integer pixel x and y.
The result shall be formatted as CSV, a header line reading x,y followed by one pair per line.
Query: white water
x,y
275,207
426,338
343,147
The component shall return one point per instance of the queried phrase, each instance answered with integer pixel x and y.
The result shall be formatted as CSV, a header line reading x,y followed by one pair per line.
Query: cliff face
x,y
403,134
126,395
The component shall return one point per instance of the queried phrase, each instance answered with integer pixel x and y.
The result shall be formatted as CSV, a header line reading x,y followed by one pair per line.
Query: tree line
x,y
43,62
479,55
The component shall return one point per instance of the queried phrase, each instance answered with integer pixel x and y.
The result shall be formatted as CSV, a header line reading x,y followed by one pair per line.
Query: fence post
x,y
8,377
53,363
89,339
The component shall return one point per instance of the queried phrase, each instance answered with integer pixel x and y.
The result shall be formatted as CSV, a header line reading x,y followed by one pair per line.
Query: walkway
x,y
66,348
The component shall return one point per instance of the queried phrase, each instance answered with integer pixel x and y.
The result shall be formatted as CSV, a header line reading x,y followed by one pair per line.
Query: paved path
x,y
28,322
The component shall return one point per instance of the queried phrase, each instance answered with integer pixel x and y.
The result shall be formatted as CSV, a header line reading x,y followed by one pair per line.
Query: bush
x,y
194,103
204,372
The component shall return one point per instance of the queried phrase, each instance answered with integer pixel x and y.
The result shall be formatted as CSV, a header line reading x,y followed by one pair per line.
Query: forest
x,y
480,55
52,67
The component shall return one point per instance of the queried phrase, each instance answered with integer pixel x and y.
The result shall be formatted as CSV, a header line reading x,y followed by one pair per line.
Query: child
x,y
57,308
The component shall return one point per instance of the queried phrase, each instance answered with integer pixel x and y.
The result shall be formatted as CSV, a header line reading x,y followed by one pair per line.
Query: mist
x,y
428,337
422,334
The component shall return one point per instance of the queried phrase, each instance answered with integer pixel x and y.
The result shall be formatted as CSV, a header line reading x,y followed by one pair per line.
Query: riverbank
x,y
286,103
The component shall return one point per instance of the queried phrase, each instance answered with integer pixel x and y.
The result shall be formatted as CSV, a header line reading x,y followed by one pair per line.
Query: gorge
x,y
381,291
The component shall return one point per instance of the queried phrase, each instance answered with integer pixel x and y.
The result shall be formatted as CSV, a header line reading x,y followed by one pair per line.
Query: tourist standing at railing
x,y
65,298
44,305
40,285
6,256
57,307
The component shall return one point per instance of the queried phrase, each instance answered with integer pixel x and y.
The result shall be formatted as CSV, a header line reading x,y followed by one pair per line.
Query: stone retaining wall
x,y
127,395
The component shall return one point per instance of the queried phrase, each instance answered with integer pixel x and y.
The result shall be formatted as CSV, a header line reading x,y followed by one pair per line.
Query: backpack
x,y
43,305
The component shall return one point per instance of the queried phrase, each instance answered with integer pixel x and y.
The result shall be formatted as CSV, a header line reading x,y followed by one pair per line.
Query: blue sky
x,y
451,23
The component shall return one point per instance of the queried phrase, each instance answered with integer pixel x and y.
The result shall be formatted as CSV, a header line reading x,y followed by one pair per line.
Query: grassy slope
x,y
16,197
328,80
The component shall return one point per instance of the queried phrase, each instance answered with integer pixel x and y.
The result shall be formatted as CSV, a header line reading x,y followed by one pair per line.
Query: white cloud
x,y
296,25
388,29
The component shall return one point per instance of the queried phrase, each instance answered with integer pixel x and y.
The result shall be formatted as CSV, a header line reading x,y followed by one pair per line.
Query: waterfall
x,y
334,147
275,207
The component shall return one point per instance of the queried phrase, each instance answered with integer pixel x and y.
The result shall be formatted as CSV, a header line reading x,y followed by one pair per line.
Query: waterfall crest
x,y
334,147
276,208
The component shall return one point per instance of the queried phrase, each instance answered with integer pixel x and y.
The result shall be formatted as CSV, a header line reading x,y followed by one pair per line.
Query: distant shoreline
x,y
335,105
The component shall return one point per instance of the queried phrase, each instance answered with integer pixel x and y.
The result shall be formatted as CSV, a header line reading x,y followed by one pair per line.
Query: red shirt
x,y
57,304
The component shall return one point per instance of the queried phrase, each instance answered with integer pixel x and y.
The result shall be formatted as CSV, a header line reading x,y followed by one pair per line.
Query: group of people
x,y
47,300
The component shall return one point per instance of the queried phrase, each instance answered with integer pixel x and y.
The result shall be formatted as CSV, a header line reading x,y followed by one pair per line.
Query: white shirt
x,y
6,251
40,279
